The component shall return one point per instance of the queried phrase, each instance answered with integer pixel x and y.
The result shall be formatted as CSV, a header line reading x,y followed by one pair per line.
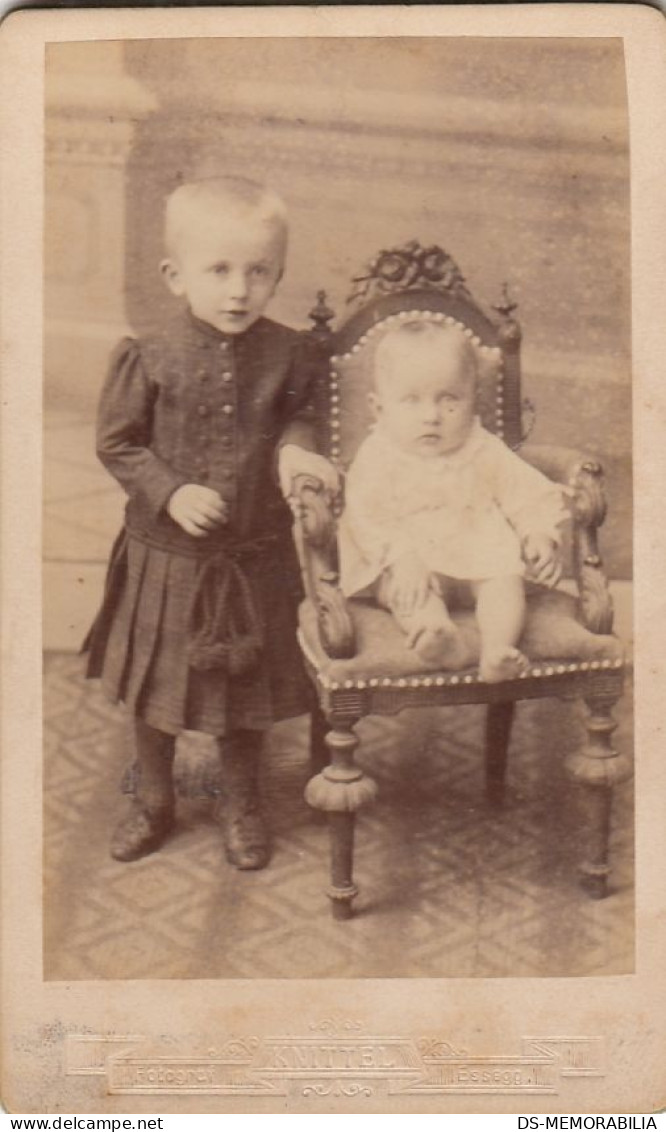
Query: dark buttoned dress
x,y
191,405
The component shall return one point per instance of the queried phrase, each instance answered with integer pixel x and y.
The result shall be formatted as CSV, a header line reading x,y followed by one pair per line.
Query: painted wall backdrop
x,y
512,154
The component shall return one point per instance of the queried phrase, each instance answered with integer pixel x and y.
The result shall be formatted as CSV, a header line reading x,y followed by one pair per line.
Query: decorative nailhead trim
x,y
427,316
457,679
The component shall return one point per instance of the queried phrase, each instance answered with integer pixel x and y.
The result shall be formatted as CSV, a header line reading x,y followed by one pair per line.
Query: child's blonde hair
x,y
246,199
400,343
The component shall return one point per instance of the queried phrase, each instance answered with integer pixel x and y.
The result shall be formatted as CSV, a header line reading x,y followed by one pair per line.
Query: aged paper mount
x,y
435,1045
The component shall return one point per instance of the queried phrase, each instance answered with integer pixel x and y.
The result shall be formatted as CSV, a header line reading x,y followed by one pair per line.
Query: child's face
x,y
426,404
227,267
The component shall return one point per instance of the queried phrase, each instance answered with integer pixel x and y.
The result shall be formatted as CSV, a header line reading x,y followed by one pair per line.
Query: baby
x,y
436,506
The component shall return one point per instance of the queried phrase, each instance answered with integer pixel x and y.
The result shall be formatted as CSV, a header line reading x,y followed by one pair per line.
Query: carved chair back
x,y
404,284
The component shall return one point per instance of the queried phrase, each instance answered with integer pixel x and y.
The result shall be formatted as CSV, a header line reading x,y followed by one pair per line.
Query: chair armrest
x,y
315,535
584,478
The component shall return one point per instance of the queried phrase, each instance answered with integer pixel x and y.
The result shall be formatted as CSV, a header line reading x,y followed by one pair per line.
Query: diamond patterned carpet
x,y
448,886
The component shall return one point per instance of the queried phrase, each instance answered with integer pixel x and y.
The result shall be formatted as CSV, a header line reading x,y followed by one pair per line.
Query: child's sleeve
x,y
303,401
124,430
532,503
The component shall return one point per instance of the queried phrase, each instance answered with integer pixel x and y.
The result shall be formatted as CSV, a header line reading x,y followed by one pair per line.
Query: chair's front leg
x,y
596,769
319,753
340,790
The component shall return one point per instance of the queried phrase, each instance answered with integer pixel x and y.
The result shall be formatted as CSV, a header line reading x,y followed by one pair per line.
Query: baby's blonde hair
x,y
245,199
423,336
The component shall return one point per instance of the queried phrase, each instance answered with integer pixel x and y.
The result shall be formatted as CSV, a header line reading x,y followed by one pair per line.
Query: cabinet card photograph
x,y
331,384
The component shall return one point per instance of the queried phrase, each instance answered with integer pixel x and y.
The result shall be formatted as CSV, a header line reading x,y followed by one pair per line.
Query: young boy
x,y
435,505
197,628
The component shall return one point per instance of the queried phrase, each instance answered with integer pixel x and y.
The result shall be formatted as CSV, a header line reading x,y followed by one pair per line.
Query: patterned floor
x,y
448,888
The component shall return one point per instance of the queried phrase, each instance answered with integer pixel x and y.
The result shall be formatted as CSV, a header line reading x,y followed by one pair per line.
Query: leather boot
x,y
246,840
151,815
141,832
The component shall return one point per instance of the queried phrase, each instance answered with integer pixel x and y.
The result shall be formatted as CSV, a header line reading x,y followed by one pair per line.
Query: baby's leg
x,y
428,628
500,613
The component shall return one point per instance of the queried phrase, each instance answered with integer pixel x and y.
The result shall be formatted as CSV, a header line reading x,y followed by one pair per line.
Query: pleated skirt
x,y
138,645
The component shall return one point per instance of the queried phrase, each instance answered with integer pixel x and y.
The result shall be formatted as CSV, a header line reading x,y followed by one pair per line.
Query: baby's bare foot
x,y
504,663
440,646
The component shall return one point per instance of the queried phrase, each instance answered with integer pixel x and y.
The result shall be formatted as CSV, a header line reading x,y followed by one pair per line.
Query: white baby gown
x,y
464,514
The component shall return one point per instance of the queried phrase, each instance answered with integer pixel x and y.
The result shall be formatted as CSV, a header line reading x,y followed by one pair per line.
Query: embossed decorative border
x,y
336,1058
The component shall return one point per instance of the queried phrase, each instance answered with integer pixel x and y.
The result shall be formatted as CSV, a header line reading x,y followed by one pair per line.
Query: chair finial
x,y
510,333
321,314
507,305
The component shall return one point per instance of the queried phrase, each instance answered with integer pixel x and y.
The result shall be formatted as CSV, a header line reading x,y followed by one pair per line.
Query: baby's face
x,y
227,267
426,405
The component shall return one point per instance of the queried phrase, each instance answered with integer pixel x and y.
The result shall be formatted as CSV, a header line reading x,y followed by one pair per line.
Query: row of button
x,y
204,375
223,346
204,410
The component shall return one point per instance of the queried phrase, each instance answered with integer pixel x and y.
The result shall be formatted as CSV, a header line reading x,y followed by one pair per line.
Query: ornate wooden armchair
x,y
354,652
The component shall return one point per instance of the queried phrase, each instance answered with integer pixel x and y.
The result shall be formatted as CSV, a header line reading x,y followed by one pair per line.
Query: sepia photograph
x,y
331,484
385,282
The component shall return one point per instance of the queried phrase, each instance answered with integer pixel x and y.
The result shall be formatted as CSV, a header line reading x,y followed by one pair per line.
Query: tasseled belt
x,y
225,630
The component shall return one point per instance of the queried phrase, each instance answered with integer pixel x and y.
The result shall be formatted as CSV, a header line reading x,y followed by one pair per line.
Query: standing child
x,y
438,509
197,627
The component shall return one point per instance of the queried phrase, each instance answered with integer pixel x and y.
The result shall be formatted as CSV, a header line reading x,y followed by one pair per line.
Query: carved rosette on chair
x,y
356,655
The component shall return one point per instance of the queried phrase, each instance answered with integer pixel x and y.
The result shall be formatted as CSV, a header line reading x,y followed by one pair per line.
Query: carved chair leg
x,y
340,790
499,719
596,769
319,753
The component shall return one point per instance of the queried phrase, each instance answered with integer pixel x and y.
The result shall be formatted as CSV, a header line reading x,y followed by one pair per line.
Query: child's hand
x,y
197,509
543,559
296,461
409,583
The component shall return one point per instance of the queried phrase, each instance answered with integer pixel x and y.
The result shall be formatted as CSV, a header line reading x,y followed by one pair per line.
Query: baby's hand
x,y
295,461
409,583
543,559
197,509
